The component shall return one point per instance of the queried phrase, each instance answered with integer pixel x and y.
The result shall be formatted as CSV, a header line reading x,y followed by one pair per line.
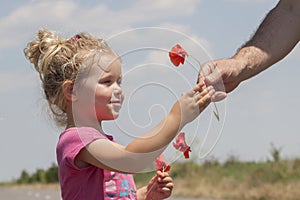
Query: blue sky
x,y
260,111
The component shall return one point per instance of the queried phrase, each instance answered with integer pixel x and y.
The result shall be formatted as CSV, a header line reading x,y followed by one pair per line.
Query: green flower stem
x,y
216,113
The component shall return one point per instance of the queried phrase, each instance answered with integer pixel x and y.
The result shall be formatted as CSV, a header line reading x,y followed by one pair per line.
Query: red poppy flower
x,y
177,55
161,164
181,145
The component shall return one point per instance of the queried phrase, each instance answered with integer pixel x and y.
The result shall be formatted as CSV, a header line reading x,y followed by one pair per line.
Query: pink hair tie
x,y
75,38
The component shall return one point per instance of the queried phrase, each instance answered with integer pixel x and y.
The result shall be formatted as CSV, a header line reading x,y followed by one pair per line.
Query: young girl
x,y
81,78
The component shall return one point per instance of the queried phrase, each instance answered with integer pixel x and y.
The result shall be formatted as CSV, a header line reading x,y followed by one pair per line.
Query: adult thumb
x,y
218,96
213,78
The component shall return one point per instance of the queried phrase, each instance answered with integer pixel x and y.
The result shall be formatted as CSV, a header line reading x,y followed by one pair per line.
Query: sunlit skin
x,y
108,94
81,79
274,39
96,97
108,99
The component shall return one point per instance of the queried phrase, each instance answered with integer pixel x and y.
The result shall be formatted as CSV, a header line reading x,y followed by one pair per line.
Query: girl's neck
x,y
96,125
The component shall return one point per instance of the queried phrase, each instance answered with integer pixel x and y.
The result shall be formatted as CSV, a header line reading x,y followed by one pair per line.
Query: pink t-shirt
x,y
89,183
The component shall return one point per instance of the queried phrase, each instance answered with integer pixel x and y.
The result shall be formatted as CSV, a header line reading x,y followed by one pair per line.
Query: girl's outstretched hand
x,y
160,186
192,103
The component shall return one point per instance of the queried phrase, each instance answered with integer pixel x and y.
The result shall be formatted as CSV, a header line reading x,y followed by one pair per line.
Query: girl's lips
x,y
116,105
116,101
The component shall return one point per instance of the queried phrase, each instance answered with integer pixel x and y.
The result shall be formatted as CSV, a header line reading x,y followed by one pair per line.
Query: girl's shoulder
x,y
84,134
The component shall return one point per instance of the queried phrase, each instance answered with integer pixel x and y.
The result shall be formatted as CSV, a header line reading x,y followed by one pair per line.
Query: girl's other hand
x,y
160,186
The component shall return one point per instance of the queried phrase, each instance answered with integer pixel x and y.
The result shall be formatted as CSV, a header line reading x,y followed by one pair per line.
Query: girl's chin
x,y
116,116
112,117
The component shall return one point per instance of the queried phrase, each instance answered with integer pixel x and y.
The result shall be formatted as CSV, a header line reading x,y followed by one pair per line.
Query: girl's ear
x,y
67,89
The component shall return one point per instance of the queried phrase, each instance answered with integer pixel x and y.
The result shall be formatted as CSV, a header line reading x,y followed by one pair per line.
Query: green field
x,y
276,179
235,180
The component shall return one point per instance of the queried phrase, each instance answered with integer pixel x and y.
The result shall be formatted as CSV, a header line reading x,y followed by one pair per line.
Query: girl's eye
x,y
105,81
110,81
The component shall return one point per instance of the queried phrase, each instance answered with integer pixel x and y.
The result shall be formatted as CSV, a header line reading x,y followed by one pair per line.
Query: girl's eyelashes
x,y
105,81
119,81
110,81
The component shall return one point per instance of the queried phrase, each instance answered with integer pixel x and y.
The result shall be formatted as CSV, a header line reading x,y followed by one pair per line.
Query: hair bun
x,y
41,50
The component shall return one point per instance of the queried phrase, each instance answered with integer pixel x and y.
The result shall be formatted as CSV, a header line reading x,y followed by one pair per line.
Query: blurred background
x,y
261,115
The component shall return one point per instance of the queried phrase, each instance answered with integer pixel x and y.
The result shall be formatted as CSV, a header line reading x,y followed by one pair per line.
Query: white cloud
x,y
161,38
69,16
150,10
23,19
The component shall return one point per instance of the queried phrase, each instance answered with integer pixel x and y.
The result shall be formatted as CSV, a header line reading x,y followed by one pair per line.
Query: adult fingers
x,y
218,96
210,74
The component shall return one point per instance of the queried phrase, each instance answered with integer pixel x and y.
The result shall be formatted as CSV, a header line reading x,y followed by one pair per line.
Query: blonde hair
x,y
58,60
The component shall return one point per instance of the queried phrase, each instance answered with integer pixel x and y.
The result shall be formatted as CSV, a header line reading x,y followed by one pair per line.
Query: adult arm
x,y
274,39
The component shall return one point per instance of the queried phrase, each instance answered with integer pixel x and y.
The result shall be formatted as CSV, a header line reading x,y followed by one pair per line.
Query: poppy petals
x,y
177,55
161,164
181,145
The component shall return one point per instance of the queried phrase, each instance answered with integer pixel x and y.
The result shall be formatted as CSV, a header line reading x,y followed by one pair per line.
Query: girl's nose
x,y
117,89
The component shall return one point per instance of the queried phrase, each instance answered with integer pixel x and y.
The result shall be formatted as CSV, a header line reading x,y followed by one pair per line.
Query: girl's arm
x,y
142,151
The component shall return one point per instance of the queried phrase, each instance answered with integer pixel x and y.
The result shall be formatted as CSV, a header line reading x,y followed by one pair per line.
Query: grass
x,y
36,186
278,180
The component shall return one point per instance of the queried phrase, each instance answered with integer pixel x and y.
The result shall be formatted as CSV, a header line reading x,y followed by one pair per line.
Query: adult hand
x,y
223,74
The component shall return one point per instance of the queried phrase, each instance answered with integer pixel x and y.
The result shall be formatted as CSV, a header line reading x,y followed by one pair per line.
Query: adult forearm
x,y
274,39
